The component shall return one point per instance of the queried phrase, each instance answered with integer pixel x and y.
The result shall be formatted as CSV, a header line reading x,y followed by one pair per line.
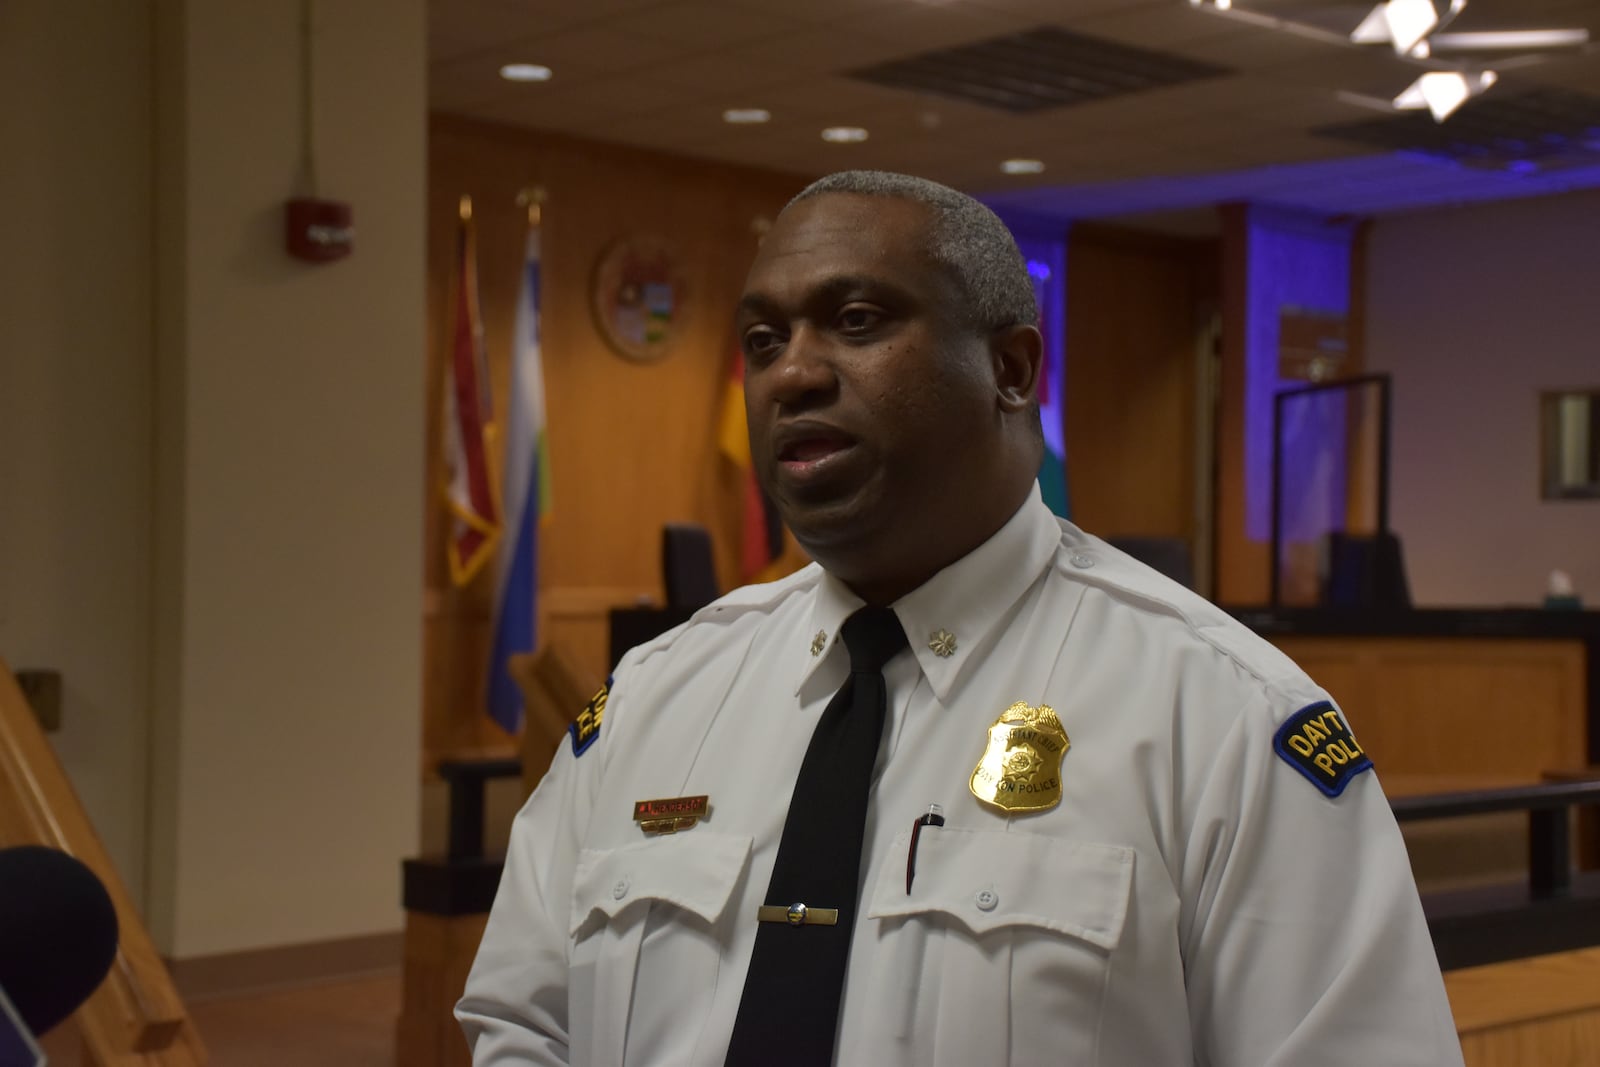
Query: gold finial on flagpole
x,y
465,207
759,226
532,197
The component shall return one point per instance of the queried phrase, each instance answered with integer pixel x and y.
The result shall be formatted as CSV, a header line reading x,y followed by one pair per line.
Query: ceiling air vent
x,y
1040,69
1538,130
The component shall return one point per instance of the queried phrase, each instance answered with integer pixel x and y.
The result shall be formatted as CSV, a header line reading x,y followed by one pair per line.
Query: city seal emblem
x,y
1021,769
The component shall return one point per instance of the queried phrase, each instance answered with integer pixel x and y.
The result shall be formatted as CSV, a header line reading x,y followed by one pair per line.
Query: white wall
x,y
291,444
75,387
211,456
1474,311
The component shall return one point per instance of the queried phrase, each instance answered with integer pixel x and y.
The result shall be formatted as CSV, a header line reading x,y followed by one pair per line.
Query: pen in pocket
x,y
935,817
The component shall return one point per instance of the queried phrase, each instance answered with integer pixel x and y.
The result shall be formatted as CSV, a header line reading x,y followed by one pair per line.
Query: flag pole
x,y
532,197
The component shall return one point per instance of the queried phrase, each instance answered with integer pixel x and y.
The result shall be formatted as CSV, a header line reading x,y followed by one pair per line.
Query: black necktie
x,y
790,1006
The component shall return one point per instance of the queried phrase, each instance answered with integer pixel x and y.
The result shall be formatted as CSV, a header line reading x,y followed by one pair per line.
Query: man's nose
x,y
804,373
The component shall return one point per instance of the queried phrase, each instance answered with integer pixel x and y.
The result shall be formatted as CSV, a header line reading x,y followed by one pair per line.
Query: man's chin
x,y
833,534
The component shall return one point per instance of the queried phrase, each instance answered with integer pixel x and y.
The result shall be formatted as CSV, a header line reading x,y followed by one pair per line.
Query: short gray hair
x,y
966,238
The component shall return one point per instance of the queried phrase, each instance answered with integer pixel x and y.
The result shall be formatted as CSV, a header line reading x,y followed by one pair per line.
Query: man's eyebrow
x,y
828,291
754,304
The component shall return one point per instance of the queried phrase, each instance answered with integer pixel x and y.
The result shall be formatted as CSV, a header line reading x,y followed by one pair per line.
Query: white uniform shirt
x,y
1194,898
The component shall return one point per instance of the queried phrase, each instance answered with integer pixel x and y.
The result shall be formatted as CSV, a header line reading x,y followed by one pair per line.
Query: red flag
x,y
469,490
761,531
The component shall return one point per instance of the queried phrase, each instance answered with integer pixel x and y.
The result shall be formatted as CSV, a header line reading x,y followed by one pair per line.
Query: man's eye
x,y
859,319
761,340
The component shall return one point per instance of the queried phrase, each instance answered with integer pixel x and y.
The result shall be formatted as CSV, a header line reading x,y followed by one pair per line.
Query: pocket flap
x,y
693,870
989,879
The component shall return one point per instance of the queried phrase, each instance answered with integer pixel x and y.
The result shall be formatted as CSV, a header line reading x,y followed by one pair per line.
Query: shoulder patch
x,y
1317,742
585,729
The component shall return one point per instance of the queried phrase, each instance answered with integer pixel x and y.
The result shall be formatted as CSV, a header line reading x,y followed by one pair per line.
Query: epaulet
x,y
1310,732
745,600
1090,561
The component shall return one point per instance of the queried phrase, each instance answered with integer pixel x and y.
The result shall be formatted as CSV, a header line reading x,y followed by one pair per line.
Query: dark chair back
x,y
1169,555
687,568
1364,571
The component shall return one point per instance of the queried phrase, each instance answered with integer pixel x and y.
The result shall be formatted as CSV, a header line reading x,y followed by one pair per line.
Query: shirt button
x,y
987,899
1082,562
619,889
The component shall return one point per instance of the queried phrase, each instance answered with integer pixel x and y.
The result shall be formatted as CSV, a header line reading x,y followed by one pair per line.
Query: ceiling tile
x,y
701,26
658,73
1159,26
1255,48
841,15
580,108
589,50
921,27
459,27
1064,12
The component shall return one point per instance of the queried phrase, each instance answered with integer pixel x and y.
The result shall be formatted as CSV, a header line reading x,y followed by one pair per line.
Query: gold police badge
x,y
1021,769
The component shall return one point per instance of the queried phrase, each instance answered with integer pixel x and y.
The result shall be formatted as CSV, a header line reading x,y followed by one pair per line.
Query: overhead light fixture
x,y
1403,23
1442,91
1022,166
1508,40
844,134
525,72
746,116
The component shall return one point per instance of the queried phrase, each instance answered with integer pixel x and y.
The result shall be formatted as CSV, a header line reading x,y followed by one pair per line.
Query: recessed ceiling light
x,y
1022,166
525,72
744,116
844,134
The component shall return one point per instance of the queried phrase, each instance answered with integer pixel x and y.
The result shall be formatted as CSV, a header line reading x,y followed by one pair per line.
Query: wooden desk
x,y
1450,700
1442,692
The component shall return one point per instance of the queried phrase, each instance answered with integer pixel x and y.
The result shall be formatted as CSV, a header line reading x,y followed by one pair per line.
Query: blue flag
x,y
525,503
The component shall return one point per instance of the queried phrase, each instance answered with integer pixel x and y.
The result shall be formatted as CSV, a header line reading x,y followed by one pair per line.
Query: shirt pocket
x,y
648,920
1003,946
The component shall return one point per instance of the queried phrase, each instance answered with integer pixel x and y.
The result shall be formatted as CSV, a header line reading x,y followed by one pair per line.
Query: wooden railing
x,y
135,1018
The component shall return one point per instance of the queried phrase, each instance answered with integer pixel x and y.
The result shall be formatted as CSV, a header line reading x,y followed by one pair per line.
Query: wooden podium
x,y
447,898
135,1018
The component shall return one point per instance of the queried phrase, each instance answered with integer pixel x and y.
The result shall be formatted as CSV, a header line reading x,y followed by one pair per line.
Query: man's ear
x,y
1017,352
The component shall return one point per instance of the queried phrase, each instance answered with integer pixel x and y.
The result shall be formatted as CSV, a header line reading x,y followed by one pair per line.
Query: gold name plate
x,y
669,815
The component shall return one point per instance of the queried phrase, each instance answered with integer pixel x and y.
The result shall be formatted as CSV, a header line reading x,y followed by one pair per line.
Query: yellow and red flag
x,y
470,492
761,531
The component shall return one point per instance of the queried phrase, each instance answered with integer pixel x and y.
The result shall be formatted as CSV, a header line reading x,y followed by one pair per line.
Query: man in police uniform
x,y
1159,843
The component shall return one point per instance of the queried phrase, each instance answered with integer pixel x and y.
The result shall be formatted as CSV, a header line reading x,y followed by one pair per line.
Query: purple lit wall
x,y
1294,260
1047,267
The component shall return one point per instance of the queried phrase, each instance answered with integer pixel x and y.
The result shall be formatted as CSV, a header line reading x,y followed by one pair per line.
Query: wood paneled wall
x,y
1135,305
632,446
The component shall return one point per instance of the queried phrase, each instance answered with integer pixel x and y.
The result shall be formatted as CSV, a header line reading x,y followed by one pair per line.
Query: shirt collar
x,y
948,617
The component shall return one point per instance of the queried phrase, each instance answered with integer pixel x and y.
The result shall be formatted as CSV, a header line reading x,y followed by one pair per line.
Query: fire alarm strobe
x,y
319,230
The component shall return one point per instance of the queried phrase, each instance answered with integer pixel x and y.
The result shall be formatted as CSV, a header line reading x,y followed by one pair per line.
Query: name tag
x,y
671,814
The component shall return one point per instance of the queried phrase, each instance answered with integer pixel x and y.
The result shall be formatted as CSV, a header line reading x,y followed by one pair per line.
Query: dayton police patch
x,y
585,729
1317,742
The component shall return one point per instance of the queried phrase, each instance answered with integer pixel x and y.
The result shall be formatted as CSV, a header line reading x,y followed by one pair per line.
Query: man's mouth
x,y
807,451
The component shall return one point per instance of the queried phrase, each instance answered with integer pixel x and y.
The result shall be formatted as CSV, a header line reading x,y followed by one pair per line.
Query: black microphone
x,y
58,934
